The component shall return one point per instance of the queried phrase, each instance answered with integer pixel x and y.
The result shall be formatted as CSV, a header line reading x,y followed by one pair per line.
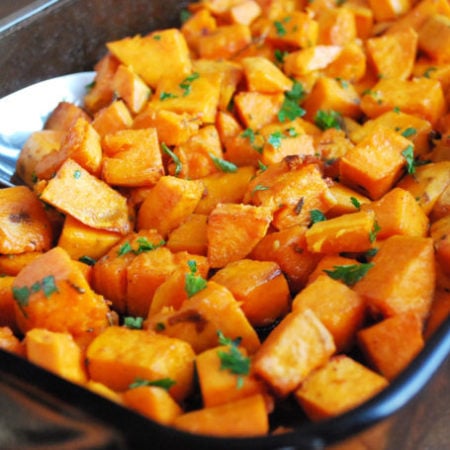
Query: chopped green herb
x,y
233,360
279,28
408,154
144,245
77,174
186,84
317,216
290,109
344,83
349,273
259,187
160,326
292,132
396,109
275,138
328,119
261,166
124,249
185,15
48,285
157,37
371,252
428,72
90,85
355,202
375,230
280,55
174,157
134,323
408,132
223,165
166,95
87,260
164,383
252,137
21,295
193,282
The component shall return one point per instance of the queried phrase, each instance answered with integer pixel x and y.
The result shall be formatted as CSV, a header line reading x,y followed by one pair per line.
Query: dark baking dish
x,y
39,410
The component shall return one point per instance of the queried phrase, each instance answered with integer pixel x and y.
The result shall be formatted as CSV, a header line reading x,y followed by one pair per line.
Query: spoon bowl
x,y
25,111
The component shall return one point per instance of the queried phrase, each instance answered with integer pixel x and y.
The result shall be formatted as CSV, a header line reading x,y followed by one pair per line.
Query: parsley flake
x,y
164,383
87,260
174,158
193,282
317,216
48,285
223,165
375,230
275,138
355,202
186,84
290,109
144,245
166,95
408,132
408,154
328,119
135,323
349,273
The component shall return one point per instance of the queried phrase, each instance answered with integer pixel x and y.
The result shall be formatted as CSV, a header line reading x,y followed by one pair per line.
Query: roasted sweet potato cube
x,y
294,30
350,64
427,183
224,42
57,352
220,385
10,343
101,92
330,262
52,293
262,75
390,345
173,128
24,226
260,286
196,94
353,232
81,143
233,231
131,88
36,147
256,109
200,317
347,200
338,386
109,276
135,158
245,12
434,38
337,306
389,9
244,417
440,233
196,155
402,278
393,54
337,26
224,187
364,18
119,356
416,129
81,240
442,206
375,163
107,209
153,402
299,344
420,96
114,117
290,188
304,61
169,203
64,116
7,308
397,212
161,53
11,265
329,94
288,249
195,27
190,236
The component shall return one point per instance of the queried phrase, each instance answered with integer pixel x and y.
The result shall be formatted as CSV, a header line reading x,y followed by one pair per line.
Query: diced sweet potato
x,y
244,417
52,293
440,233
298,345
56,352
390,345
351,232
114,117
10,343
153,402
119,356
161,53
440,311
337,26
169,203
7,308
434,38
200,317
337,387
190,236
260,286
402,278
337,306
107,209
233,230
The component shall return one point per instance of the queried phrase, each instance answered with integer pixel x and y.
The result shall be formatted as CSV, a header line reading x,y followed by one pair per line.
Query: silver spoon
x,y
25,111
